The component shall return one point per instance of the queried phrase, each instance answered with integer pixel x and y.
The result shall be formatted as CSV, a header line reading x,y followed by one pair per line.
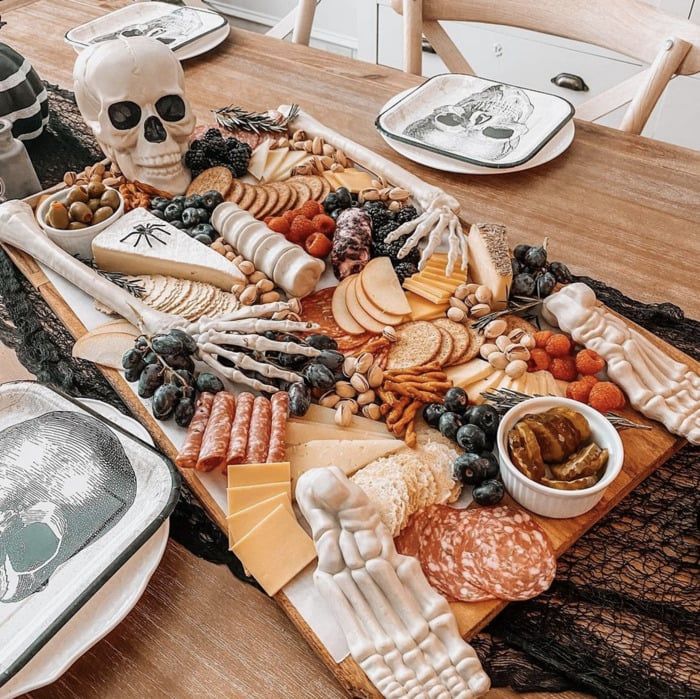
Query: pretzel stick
x,y
408,416
397,410
410,437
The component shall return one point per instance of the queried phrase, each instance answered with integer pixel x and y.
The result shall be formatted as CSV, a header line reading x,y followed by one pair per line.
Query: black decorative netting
x,y
622,617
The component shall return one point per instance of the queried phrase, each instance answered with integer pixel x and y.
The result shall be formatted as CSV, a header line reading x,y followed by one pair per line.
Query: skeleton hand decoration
x,y
399,630
656,385
216,337
439,210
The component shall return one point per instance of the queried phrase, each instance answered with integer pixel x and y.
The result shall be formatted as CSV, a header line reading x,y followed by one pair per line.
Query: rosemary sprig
x,y
503,399
517,305
133,286
233,117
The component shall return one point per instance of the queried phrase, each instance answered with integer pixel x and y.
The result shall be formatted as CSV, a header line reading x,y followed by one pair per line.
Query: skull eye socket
x,y
171,108
124,115
31,546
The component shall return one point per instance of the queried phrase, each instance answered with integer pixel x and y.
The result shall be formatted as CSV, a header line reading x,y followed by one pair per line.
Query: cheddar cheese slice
x,y
240,523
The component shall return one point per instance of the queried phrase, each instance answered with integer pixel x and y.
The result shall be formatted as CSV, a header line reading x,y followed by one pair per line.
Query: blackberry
x,y
216,151
380,233
212,136
404,270
238,162
392,251
408,213
196,161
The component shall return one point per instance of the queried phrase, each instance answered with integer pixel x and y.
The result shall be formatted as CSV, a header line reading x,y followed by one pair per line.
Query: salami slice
x,y
240,429
217,433
507,554
188,455
259,435
278,432
408,541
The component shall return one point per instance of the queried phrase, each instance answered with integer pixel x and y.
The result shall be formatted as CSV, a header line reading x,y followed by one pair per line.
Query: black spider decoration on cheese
x,y
146,231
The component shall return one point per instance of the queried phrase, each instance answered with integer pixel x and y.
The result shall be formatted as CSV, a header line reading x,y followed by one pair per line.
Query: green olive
x,y
94,204
76,194
57,215
76,226
102,214
95,189
110,198
80,212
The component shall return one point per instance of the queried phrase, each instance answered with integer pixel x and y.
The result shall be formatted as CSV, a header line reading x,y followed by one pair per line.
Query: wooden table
x,y
620,208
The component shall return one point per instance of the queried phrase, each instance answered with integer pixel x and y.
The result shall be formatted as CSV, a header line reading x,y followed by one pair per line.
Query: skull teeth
x,y
159,161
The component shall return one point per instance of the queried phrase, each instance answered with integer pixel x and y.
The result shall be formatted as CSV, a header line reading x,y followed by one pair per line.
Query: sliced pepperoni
x,y
217,433
240,429
278,431
188,455
260,428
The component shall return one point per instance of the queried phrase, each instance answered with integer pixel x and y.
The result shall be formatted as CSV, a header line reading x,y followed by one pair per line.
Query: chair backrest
x,y
634,28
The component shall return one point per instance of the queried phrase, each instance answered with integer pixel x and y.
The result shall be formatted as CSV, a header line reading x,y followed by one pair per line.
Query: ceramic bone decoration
x,y
215,337
399,630
440,211
658,386
131,92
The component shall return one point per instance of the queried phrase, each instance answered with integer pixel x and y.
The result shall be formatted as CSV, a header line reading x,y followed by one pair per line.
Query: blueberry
x,y
159,203
190,216
456,400
460,466
173,211
432,413
493,468
194,202
448,424
471,468
203,238
344,197
158,214
203,215
489,492
211,199
203,229
471,438
485,417
176,223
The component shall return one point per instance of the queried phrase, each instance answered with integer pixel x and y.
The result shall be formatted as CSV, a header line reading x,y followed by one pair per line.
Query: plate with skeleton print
x,y
482,123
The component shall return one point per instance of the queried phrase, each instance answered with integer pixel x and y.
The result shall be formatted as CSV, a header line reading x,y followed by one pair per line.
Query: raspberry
x,y
290,215
606,396
541,338
590,380
310,209
323,224
563,368
539,360
579,390
267,219
278,224
318,245
300,230
589,362
558,346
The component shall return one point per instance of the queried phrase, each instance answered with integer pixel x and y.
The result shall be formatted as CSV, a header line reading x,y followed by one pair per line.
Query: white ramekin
x,y
75,242
550,502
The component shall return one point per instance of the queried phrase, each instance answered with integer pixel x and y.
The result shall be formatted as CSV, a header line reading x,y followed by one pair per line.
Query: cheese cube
x,y
257,474
468,373
247,495
240,523
275,550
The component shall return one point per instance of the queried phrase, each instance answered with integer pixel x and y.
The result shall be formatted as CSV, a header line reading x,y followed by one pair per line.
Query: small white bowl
x,y
541,499
75,242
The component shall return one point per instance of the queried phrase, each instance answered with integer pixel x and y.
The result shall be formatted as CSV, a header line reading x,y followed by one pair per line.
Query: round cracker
x,y
520,323
271,203
259,202
235,194
476,339
446,347
326,190
460,337
248,197
313,182
217,178
418,343
303,192
284,195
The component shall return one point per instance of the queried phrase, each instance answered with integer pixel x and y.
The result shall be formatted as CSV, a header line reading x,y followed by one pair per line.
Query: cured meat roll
x,y
240,429
352,241
278,433
218,432
188,455
260,428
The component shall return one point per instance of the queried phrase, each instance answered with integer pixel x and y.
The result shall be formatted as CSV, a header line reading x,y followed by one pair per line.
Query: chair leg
x,y
412,36
306,9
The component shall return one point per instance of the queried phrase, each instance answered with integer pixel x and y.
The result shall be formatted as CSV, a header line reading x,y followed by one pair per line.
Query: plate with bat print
x,y
460,123
79,544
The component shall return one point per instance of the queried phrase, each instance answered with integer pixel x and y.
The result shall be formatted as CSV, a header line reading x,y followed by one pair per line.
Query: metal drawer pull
x,y
570,82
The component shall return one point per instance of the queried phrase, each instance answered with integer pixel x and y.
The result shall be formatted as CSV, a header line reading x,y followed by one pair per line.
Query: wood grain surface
x,y
620,208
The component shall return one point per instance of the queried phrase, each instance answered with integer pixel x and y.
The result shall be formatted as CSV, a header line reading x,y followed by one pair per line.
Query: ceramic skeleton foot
x,y
216,338
439,215
399,630
656,385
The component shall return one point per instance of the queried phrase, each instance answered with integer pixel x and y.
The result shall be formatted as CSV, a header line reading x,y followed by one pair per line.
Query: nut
x,y
270,297
256,276
488,348
69,178
317,146
349,366
364,362
514,352
483,294
249,295
375,376
229,255
366,397
516,368
398,194
359,382
471,288
503,343
337,167
369,195
343,414
299,135
345,389
265,285
341,158
461,292
471,300
456,314
480,310
395,206
390,334
329,399
497,360
327,149
247,267
351,404
528,341
456,303
495,327
371,411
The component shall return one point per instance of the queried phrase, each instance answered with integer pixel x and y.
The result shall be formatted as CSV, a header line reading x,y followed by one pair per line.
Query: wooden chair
x,y
669,45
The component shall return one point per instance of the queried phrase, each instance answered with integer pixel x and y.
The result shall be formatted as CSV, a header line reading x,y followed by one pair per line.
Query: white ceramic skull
x,y
131,92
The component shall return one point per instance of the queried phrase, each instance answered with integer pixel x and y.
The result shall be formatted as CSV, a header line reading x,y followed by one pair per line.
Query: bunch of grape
x,y
533,275
164,369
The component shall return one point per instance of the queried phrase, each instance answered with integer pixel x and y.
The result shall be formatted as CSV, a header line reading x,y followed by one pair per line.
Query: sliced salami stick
x,y
218,432
188,455
278,432
260,427
240,429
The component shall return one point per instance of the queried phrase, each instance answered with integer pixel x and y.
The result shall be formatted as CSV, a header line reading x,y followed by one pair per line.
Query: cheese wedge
x,y
489,261
139,243
256,165
240,523
275,158
475,390
561,387
326,416
520,384
275,550
303,431
423,309
469,373
383,288
354,180
333,181
257,474
284,170
350,456
506,382
244,496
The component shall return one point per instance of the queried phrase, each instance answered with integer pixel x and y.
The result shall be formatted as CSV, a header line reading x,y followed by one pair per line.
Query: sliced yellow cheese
x,y
434,295
468,373
240,523
439,276
326,416
458,275
489,261
506,382
423,309
256,165
475,390
382,286
348,455
257,474
274,159
275,550
439,283
333,181
291,160
520,384
354,180
300,432
244,496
